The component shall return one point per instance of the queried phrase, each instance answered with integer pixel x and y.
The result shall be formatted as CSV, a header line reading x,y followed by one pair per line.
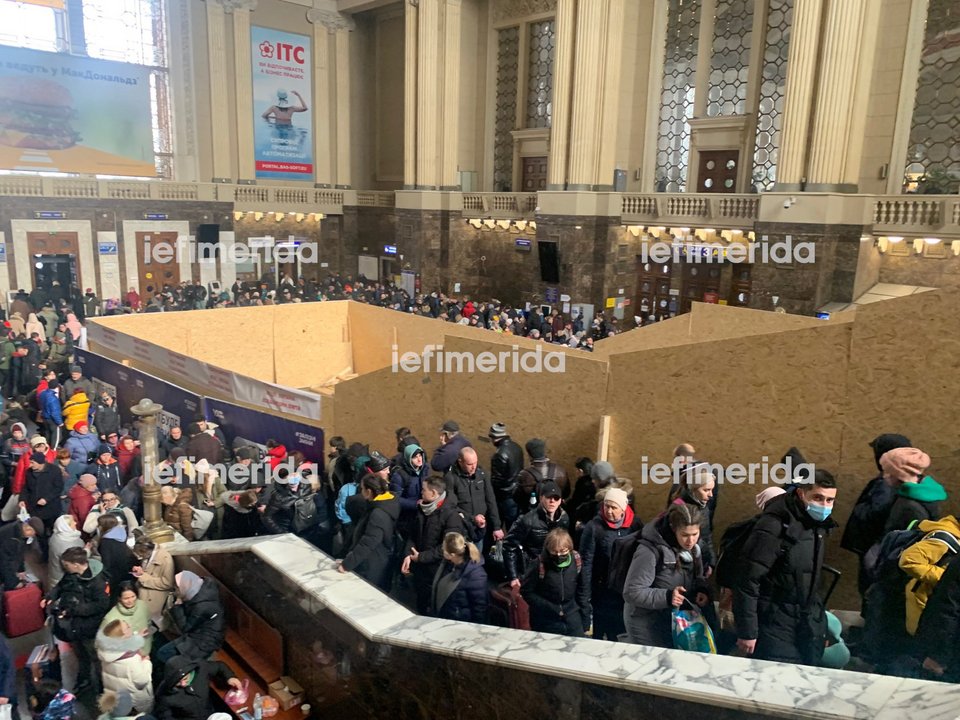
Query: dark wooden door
x,y
718,171
157,267
58,256
699,278
653,289
534,174
741,286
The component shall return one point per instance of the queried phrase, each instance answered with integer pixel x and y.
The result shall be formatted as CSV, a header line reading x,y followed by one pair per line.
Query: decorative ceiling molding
x,y
508,9
332,21
230,5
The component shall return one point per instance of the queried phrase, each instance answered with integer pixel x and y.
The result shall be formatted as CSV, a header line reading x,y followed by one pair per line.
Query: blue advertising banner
x,y
129,386
282,105
236,421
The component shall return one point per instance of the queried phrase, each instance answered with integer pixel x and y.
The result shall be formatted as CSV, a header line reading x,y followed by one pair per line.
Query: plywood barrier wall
x,y
715,322
675,331
311,343
158,328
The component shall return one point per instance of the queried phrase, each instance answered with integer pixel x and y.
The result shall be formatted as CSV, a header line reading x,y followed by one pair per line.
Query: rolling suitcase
x,y
508,608
43,664
22,613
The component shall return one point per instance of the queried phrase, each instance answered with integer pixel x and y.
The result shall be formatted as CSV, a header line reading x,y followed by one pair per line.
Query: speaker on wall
x,y
549,261
208,241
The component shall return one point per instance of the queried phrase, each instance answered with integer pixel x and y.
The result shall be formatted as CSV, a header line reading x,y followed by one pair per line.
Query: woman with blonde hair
x,y
125,665
460,585
557,593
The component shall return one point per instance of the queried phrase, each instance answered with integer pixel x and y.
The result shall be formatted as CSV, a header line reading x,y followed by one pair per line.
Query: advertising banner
x,y
130,386
282,105
236,421
64,113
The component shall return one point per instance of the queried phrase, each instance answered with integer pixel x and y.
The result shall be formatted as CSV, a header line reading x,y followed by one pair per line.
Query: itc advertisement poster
x,y
62,113
282,105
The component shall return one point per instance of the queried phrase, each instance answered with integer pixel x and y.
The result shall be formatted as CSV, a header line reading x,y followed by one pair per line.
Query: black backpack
x,y
729,560
621,556
305,513
883,559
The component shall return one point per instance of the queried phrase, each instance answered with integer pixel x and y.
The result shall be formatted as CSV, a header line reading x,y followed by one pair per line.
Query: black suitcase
x,y
42,664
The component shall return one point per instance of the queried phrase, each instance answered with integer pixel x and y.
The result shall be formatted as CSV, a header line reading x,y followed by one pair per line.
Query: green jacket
x,y
7,348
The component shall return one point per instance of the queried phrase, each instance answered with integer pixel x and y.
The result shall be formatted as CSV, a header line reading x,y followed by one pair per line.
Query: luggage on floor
x,y
508,608
43,664
22,613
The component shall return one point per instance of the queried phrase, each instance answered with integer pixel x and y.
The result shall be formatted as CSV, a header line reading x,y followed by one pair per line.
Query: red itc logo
x,y
284,52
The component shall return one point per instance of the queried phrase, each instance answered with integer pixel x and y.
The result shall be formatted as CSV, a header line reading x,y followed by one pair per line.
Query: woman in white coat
x,y
124,666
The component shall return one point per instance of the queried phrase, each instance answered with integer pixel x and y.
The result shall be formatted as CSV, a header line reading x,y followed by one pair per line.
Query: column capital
x,y
230,6
414,3
331,20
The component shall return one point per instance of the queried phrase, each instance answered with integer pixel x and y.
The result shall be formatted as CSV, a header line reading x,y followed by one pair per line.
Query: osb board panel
x,y
370,407
666,333
310,347
163,329
562,408
736,400
715,322
239,341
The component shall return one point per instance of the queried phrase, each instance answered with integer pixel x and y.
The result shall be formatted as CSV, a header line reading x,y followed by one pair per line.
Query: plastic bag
x,y
270,706
691,632
236,698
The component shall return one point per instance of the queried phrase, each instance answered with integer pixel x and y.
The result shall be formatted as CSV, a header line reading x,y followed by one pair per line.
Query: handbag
x,y
201,522
9,512
691,631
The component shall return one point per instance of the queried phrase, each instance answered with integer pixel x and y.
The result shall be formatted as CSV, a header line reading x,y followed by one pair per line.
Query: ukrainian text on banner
x,y
63,113
236,421
282,105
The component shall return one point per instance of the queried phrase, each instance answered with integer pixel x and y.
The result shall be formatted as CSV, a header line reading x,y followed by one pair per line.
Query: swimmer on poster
x,y
282,112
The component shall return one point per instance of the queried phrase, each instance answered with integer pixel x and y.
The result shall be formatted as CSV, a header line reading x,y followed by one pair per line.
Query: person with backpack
x,y
374,541
697,483
539,471
437,516
864,528
938,634
459,590
615,520
924,563
406,480
505,464
556,592
523,544
279,515
665,570
779,615
918,495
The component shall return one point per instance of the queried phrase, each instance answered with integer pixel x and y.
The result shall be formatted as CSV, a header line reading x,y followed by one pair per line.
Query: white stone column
x,y
450,106
612,97
428,94
566,20
243,86
410,96
701,83
799,92
323,102
839,70
344,144
587,93
219,97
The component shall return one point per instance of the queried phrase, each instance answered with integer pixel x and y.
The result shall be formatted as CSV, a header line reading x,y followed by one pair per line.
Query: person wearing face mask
x,y
556,592
697,483
779,614
667,569
523,544
614,520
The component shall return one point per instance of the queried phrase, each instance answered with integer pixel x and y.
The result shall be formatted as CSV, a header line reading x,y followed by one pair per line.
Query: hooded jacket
x,y
527,535
108,475
84,599
193,701
126,667
82,446
138,618
50,406
201,622
75,409
559,598
107,419
656,569
924,563
916,501
406,481
63,537
596,549
374,544
179,516
117,557
15,448
706,528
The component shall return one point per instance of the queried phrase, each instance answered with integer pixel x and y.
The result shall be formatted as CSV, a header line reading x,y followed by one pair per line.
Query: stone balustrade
x,y
715,210
917,216
500,206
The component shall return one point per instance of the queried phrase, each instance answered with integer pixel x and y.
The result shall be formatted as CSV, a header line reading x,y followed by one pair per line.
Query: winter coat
x,y
446,456
12,547
915,501
117,558
473,496
108,476
45,484
529,479
8,675
775,598
50,406
505,464
372,553
168,444
278,517
647,591
81,502
158,581
138,619
706,530
129,463
125,515
460,592
85,384
276,455
179,516
82,447
204,446
107,419
406,483
201,622
596,550
193,701
84,599
237,522
938,635
427,536
126,667
924,563
63,537
524,543
75,409
559,599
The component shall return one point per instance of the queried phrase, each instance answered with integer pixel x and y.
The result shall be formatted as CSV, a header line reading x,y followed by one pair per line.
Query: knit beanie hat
x,y
768,494
616,496
602,472
904,464
497,431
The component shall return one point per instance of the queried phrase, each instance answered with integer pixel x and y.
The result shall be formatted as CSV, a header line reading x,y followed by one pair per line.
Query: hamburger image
x,y
36,113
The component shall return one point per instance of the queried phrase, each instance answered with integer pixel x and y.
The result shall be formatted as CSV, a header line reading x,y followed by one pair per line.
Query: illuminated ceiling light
x,y
894,239
258,216
476,222
521,225
932,241
918,245
238,214
532,225
489,223
299,217
504,224
955,246
278,216
882,244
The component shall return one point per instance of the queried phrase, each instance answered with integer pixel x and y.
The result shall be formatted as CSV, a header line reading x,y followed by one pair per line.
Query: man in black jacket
x,y
939,632
42,491
184,693
437,515
505,464
778,611
281,507
451,443
81,599
198,615
524,542
469,488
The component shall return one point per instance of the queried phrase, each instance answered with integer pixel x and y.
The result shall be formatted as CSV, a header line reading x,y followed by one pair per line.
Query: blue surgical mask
x,y
819,512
